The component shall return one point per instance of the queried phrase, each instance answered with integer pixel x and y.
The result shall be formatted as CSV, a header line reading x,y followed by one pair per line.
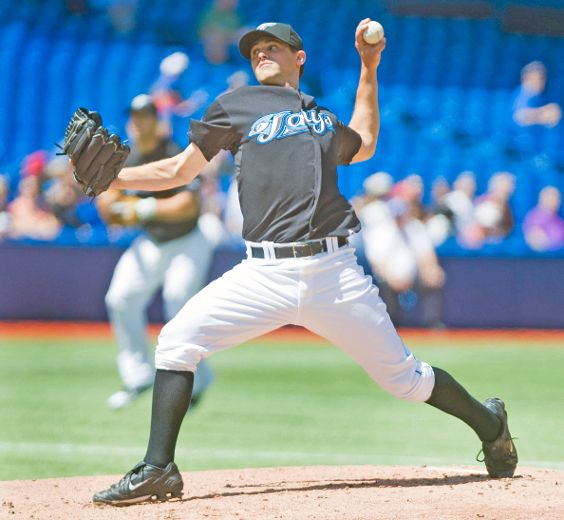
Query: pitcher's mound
x,y
316,493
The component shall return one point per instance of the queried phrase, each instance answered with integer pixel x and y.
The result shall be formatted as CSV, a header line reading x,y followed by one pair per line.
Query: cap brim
x,y
249,39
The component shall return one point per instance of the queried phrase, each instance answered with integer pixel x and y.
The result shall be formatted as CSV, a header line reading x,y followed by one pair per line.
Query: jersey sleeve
x,y
214,132
349,143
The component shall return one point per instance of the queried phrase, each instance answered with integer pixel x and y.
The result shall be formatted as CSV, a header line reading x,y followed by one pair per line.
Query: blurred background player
x,y
172,253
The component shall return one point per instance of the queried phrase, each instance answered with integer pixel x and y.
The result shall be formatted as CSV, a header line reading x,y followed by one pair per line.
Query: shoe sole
x,y
155,497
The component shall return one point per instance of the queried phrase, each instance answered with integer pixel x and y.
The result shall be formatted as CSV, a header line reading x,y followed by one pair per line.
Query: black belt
x,y
297,249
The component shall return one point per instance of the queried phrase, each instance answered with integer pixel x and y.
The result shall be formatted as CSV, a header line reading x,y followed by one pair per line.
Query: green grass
x,y
271,405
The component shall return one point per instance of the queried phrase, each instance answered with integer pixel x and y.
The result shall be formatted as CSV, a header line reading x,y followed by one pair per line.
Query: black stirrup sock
x,y
171,396
450,397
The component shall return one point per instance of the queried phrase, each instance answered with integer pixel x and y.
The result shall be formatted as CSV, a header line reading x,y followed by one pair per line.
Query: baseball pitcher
x,y
300,268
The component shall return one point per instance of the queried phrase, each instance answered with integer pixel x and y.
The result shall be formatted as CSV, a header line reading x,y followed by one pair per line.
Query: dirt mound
x,y
300,493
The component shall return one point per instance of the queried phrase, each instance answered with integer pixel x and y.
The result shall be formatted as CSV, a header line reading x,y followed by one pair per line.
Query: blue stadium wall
x,y
69,283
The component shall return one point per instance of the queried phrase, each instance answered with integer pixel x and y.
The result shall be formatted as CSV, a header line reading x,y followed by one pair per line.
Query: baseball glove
x,y
97,155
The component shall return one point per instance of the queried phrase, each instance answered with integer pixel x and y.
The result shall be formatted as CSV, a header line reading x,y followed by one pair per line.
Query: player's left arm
x,y
163,174
365,119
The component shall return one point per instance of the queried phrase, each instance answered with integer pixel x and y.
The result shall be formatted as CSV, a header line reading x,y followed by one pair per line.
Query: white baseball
x,y
374,33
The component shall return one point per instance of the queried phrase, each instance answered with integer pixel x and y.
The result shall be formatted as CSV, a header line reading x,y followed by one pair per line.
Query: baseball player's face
x,y
276,63
142,125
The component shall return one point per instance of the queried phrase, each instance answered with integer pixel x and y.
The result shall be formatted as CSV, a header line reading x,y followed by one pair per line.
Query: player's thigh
x,y
231,310
187,272
139,271
354,318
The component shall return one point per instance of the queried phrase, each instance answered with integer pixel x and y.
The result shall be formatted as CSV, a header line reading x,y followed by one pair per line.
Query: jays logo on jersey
x,y
286,124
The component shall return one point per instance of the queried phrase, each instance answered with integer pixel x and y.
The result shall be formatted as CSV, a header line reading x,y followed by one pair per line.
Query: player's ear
x,y
300,57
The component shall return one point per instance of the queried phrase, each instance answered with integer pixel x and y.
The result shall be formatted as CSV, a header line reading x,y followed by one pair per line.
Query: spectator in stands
x,y
461,200
5,220
408,193
237,79
440,217
218,29
76,213
373,204
29,213
122,14
375,214
400,252
493,217
543,226
534,117
167,95
530,106
62,193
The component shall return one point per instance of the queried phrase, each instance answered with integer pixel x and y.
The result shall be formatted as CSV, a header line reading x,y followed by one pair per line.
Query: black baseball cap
x,y
143,103
279,31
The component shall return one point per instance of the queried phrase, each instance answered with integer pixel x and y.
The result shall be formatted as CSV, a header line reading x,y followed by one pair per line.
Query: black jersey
x,y
158,230
286,150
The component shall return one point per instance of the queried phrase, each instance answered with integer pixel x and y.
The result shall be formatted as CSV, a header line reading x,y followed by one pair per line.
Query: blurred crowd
x,y
46,204
405,219
43,203
400,234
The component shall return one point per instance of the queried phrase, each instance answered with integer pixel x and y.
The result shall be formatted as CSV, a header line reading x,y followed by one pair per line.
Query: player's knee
x,y
178,356
113,301
117,302
415,385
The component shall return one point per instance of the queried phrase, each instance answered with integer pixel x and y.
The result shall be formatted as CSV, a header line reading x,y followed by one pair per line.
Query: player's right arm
x,y
161,175
365,119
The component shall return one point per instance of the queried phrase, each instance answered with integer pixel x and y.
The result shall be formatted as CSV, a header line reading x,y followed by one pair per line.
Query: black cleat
x,y
500,455
144,483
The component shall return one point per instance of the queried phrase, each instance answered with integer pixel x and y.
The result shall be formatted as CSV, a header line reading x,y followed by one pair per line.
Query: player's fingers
x,y
361,27
380,46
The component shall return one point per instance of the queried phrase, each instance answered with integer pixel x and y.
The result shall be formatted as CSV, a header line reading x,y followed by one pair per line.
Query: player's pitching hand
x,y
369,54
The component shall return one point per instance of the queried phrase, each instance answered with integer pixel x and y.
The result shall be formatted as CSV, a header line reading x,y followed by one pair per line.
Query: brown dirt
x,y
308,493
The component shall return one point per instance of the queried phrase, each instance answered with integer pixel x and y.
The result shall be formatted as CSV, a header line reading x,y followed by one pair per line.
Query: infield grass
x,y
272,404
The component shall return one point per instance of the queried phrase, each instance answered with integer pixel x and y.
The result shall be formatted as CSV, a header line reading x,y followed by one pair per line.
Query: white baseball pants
x,y
180,267
328,293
